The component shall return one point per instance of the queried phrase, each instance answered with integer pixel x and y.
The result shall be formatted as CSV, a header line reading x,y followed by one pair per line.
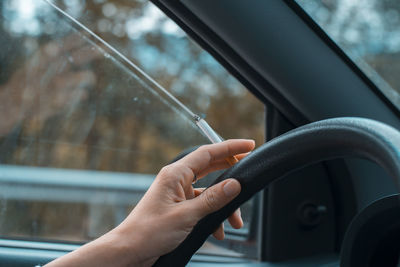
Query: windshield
x,y
369,32
83,132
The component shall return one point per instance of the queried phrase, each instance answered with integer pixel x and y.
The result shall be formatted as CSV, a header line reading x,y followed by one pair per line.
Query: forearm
x,y
167,212
108,250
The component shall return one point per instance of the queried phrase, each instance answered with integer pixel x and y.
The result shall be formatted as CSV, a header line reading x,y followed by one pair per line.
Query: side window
x,y
82,135
368,33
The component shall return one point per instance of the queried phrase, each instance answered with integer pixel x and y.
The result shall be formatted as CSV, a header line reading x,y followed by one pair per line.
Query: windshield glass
x,y
369,32
83,132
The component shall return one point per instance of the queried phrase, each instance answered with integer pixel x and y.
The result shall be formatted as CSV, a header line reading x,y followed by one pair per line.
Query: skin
x,y
167,212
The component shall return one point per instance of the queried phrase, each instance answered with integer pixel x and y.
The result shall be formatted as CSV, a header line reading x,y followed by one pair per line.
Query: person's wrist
x,y
111,249
129,243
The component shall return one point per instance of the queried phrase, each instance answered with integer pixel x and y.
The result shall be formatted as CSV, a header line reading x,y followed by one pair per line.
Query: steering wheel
x,y
318,141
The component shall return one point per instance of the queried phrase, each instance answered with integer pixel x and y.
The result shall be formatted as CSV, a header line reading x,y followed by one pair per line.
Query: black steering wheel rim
x,y
306,145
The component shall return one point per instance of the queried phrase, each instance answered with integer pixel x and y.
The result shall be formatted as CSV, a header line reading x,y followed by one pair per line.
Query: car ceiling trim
x,y
284,50
230,60
340,53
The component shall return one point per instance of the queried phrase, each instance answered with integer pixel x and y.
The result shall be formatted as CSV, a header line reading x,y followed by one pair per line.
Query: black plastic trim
x,y
292,4
257,85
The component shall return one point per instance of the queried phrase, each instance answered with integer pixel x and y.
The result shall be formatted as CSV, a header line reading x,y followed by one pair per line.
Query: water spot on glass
x,y
135,99
70,59
107,55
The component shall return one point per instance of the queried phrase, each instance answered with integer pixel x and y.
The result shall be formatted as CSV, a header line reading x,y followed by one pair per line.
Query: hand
x,y
167,212
170,209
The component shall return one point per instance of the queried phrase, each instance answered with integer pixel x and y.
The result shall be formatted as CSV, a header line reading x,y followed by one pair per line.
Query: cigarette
x,y
213,137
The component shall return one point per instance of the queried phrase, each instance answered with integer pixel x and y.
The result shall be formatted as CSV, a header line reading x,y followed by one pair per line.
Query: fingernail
x,y
251,140
231,188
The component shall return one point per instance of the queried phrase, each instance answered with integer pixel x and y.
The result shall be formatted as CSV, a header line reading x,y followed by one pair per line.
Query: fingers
x,y
219,233
198,191
218,165
214,198
241,156
236,220
204,156
215,166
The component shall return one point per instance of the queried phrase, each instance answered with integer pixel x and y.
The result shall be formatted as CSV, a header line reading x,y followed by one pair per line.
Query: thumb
x,y
215,197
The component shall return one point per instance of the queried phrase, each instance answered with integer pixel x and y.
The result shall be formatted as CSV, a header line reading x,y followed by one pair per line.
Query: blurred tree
x,y
140,31
83,110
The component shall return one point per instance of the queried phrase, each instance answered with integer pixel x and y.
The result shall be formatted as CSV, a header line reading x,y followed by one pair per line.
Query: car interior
x,y
321,189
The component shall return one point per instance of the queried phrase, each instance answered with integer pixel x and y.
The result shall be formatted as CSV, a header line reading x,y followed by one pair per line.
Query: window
x,y
81,134
368,31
